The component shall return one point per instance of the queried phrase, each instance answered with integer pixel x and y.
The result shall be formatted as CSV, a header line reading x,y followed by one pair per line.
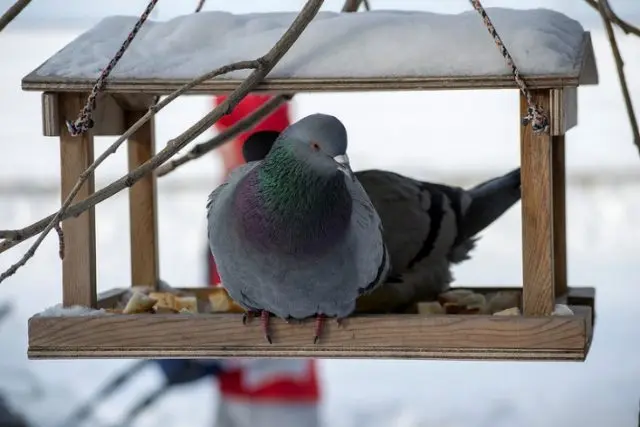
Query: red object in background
x,y
283,386
232,151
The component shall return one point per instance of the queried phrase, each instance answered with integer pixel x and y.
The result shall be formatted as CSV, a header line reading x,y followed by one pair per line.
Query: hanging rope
x,y
535,115
84,122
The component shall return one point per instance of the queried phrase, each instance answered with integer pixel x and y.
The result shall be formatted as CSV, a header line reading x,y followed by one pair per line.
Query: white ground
x,y
415,135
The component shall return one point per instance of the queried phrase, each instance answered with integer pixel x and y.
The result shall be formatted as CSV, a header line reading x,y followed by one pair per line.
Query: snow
x,y
414,133
73,311
541,41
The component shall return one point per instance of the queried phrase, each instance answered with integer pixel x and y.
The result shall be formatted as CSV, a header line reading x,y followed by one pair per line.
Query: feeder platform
x,y
552,73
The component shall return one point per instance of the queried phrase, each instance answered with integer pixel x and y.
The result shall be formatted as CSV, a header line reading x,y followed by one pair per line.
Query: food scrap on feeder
x,y
466,301
146,300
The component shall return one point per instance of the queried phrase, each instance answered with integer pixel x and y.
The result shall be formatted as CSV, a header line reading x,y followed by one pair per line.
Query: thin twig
x,y
265,65
13,12
624,26
14,237
351,5
243,125
153,110
605,12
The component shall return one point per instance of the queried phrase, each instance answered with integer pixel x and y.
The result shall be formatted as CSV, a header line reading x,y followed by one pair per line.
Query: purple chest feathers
x,y
297,217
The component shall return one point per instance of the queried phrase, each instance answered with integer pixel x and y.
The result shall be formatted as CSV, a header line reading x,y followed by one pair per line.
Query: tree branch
x,y
606,13
13,12
154,109
245,124
265,65
14,237
624,26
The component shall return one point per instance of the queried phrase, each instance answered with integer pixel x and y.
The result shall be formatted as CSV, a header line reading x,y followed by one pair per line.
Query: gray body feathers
x,y
428,227
288,285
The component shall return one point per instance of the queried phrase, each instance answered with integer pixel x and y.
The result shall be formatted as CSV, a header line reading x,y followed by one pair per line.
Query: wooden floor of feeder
x,y
406,336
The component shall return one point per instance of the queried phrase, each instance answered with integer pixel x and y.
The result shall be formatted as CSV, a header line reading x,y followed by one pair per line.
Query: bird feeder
x,y
536,334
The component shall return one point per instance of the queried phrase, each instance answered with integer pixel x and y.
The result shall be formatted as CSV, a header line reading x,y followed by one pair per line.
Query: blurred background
x,y
408,132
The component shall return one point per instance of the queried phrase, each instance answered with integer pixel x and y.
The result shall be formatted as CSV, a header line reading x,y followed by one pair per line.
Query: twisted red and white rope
x,y
535,114
84,122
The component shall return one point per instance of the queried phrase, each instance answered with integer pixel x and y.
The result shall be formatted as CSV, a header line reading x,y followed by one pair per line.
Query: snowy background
x,y
407,132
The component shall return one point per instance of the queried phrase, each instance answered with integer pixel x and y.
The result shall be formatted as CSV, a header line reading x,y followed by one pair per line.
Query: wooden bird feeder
x,y
534,335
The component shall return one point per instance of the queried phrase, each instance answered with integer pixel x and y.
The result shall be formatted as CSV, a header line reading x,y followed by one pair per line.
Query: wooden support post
x,y
79,263
537,213
559,215
143,206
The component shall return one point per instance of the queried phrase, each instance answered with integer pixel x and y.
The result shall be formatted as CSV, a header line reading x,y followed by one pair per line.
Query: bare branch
x,y
605,12
265,65
218,140
13,12
351,5
245,124
17,236
624,26
200,5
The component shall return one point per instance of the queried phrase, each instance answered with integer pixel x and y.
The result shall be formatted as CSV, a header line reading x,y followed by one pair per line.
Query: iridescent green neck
x,y
284,205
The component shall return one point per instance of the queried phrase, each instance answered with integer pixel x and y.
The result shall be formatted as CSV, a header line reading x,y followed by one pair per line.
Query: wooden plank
x,y
376,336
558,205
34,82
537,214
588,65
50,114
143,209
108,116
79,263
564,106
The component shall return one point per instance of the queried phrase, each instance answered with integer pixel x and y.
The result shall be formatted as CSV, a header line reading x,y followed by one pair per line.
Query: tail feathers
x,y
489,201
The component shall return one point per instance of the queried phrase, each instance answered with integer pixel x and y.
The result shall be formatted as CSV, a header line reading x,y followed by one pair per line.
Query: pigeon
x,y
428,227
295,234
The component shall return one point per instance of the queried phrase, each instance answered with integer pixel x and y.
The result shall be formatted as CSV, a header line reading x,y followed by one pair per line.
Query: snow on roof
x,y
368,44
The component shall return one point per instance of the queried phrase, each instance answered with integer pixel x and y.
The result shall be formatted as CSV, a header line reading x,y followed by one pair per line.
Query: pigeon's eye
x,y
315,146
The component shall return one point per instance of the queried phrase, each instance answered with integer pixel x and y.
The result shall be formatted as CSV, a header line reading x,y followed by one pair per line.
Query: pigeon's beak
x,y
344,166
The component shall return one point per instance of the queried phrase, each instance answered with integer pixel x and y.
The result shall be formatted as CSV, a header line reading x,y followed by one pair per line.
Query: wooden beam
x,y
537,213
564,106
371,336
588,65
143,209
79,263
152,86
108,116
558,206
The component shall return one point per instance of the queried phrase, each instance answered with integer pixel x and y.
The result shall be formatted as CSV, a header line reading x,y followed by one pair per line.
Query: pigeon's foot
x,y
319,325
340,321
264,320
248,315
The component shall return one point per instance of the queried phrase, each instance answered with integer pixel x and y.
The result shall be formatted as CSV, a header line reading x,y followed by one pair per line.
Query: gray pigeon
x,y
296,235
427,227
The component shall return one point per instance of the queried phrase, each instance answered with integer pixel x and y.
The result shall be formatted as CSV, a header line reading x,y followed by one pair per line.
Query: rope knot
x,y
79,126
537,118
